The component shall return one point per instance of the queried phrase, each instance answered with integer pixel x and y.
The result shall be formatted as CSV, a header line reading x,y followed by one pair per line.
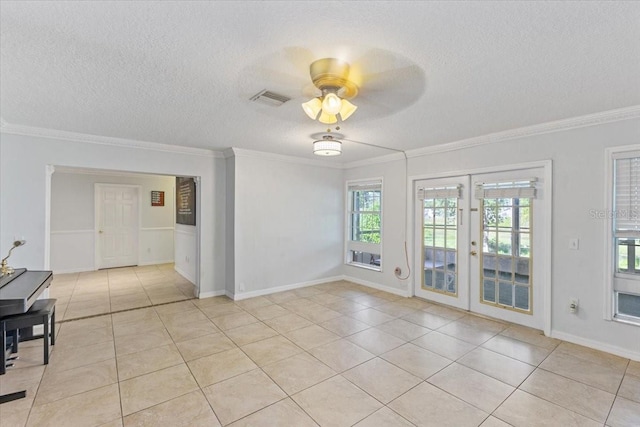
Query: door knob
x,y
474,253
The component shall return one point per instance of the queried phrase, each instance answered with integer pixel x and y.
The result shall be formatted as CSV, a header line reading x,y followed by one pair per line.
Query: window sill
x,y
365,266
627,320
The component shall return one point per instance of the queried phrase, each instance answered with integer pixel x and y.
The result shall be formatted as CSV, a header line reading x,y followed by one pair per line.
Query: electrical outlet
x,y
574,303
574,243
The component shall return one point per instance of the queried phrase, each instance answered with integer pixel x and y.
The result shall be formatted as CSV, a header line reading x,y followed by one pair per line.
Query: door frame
x,y
96,216
547,251
50,170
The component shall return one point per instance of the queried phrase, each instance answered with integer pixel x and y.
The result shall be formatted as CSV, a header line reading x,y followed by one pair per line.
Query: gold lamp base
x,y
5,270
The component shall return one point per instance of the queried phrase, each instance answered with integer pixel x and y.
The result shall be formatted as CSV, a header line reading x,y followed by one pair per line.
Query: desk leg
x,y
3,346
10,397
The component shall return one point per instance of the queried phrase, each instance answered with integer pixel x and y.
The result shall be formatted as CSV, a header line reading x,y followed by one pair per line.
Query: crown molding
x,y
105,172
375,160
241,152
627,113
103,140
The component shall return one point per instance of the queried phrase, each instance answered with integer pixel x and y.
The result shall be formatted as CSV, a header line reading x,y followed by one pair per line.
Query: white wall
x,y
185,250
578,187
288,222
23,165
73,213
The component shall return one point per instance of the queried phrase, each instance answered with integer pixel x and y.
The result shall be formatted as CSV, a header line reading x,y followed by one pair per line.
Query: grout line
x,y
124,310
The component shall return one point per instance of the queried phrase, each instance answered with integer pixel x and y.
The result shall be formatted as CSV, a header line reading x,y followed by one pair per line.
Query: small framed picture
x,y
157,198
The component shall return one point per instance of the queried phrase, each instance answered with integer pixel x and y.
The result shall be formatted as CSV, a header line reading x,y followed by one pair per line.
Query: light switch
x,y
574,243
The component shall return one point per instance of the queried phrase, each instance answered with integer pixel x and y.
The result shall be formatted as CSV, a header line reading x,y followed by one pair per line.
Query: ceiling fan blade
x,y
410,77
371,107
299,57
254,79
285,71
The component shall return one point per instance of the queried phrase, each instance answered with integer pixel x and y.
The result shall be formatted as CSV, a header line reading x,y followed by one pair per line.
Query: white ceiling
x,y
182,72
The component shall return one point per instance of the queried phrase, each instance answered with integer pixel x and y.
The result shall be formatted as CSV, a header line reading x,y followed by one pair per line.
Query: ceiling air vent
x,y
270,98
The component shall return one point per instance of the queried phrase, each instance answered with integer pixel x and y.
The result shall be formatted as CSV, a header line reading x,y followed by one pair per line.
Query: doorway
x,y
481,243
90,268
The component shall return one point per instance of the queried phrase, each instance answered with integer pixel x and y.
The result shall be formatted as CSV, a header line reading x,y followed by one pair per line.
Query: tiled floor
x,y
106,291
337,354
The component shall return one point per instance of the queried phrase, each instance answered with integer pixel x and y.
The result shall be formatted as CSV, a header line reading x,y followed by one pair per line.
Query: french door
x,y
442,264
478,241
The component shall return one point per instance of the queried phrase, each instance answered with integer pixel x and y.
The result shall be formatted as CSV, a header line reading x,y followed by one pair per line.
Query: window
x,y
625,235
364,224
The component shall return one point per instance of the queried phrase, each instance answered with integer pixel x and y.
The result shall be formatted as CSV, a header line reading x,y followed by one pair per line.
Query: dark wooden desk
x,y
18,292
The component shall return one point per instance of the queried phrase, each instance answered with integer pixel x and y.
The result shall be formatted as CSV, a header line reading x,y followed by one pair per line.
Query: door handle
x,y
474,253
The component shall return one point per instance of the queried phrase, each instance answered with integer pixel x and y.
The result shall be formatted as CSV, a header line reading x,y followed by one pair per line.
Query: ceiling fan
x,y
325,80
331,76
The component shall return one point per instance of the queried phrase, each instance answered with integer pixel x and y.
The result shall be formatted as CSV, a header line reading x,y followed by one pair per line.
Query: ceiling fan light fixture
x,y
347,110
327,119
327,146
331,76
331,103
312,108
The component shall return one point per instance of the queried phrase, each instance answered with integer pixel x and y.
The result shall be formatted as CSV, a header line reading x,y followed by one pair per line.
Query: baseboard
x,y
184,274
378,286
169,261
211,294
618,351
91,268
251,294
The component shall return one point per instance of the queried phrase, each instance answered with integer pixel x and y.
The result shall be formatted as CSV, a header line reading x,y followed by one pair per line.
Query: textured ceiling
x,y
182,73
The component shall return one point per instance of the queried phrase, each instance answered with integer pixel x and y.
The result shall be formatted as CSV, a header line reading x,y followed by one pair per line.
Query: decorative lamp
x,y
5,270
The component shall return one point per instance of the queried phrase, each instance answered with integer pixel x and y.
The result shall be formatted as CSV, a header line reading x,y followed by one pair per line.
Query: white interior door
x,y
442,221
116,225
508,226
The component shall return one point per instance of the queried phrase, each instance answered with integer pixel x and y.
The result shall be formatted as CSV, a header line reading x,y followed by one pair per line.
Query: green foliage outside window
x,y
365,216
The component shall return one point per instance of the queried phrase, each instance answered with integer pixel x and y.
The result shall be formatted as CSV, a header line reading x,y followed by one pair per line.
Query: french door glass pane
x,y
522,297
489,290
505,293
439,250
506,253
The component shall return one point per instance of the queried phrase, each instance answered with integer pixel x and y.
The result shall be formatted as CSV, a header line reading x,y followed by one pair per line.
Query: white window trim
x,y
609,266
362,246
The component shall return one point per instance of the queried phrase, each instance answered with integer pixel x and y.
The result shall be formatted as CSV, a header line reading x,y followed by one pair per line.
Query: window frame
x,y
352,245
611,250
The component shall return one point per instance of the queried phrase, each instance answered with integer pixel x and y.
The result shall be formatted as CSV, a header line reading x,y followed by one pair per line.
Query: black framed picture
x,y
185,201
